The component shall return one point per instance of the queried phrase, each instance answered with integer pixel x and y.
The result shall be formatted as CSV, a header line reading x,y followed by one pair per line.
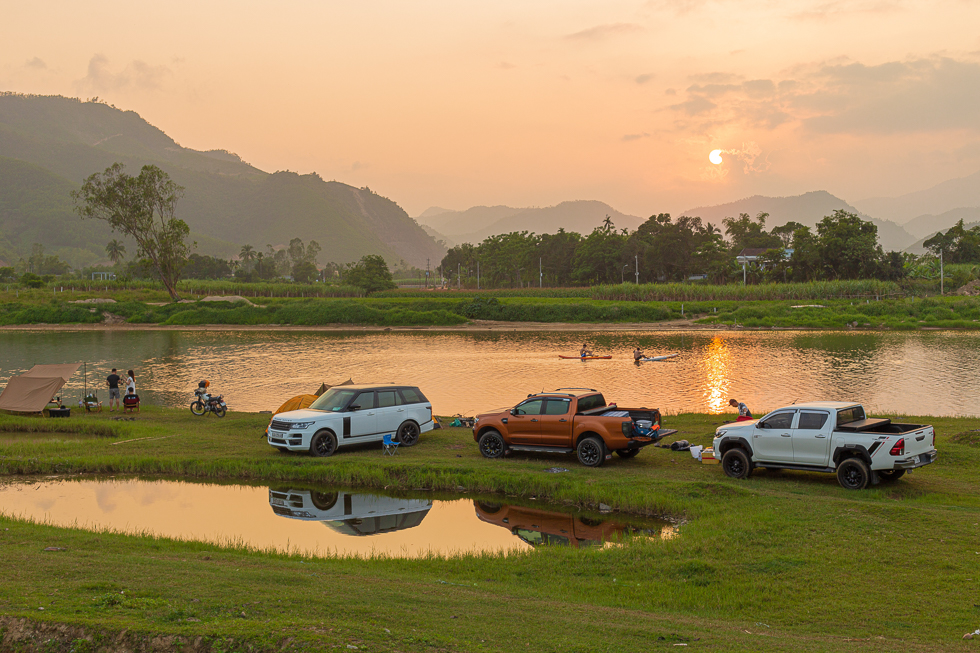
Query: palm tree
x,y
247,254
115,250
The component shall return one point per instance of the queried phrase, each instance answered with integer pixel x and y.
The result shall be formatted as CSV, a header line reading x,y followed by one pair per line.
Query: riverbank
x,y
456,313
757,564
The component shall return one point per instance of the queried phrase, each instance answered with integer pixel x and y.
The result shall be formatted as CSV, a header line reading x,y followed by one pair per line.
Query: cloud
x,y
602,32
506,65
823,11
643,79
36,63
137,74
635,137
918,95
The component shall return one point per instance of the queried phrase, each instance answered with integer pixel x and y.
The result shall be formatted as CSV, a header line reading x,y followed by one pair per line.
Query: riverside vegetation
x,y
784,561
830,305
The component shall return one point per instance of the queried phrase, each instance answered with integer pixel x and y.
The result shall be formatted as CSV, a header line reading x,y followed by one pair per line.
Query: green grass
x,y
783,561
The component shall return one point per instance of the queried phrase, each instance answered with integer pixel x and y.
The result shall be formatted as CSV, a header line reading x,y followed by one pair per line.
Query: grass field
x,y
780,562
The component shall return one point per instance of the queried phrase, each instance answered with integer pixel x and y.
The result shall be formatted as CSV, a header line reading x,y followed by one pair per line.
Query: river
x,y
922,372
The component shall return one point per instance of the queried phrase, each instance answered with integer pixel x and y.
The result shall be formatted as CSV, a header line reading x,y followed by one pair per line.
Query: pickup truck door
x,y
524,423
556,423
363,420
772,440
811,438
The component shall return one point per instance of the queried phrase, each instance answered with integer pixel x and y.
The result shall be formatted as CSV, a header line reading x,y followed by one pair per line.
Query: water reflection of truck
x,y
349,513
543,527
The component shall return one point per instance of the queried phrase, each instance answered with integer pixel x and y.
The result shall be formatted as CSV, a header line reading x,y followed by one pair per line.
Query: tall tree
x,y
143,207
247,255
370,273
115,250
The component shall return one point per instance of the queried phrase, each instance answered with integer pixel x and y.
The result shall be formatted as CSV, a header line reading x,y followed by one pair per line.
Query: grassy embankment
x,y
785,561
831,305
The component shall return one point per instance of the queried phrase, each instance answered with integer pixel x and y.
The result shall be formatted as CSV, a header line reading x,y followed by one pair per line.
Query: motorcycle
x,y
205,403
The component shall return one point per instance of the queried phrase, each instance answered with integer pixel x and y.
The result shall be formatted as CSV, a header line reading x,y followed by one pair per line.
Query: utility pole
x,y
636,257
426,274
459,278
478,275
942,279
540,275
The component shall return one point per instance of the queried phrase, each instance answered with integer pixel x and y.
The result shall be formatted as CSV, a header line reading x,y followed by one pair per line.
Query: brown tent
x,y
303,401
46,371
31,391
25,394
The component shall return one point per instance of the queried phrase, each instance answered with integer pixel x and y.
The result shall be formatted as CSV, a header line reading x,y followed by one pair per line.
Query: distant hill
x,y
917,247
479,222
227,203
807,209
952,194
925,226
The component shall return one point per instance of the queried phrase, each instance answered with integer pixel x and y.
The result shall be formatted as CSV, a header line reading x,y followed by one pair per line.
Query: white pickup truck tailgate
x,y
907,450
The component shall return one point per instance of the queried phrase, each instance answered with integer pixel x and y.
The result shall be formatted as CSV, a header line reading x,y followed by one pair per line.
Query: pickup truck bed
x,y
880,425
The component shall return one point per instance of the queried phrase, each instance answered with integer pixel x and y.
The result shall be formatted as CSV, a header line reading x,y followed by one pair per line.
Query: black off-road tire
x,y
736,463
408,434
627,453
853,474
492,445
591,451
323,500
324,444
891,475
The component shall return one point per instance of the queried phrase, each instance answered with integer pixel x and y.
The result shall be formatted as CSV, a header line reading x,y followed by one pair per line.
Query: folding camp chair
x,y
131,403
388,445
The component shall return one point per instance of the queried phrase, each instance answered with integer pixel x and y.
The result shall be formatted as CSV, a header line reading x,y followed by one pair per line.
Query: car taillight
x,y
934,438
627,428
899,448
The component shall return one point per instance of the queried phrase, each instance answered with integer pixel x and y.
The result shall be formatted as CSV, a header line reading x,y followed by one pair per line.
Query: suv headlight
x,y
720,432
296,426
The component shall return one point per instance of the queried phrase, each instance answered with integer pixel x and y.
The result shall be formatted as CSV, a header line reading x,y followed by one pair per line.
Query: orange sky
x,y
457,104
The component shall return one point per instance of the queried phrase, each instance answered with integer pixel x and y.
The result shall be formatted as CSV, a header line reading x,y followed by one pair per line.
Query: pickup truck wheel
x,y
323,500
324,444
492,445
889,475
736,463
627,453
591,451
408,434
853,474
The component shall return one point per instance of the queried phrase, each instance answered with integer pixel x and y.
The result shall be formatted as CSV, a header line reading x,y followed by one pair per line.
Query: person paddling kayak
x,y
637,355
585,351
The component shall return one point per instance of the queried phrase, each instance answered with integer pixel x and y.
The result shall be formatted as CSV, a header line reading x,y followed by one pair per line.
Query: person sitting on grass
x,y
744,413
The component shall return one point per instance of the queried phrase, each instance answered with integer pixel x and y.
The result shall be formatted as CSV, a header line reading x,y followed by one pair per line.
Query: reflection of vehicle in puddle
x,y
543,527
350,513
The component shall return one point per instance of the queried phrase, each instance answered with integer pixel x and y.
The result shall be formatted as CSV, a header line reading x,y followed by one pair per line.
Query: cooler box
x,y
708,457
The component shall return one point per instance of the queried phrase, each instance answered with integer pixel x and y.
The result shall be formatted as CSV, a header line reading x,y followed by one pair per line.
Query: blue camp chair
x,y
389,446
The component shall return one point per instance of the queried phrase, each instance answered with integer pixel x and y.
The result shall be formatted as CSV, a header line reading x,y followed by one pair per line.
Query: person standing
x,y
743,411
130,383
113,382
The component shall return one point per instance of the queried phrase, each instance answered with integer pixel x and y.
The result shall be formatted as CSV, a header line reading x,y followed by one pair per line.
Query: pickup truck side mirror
x,y
513,411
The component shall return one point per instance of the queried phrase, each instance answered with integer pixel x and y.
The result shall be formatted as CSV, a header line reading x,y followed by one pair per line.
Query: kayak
x,y
650,359
586,358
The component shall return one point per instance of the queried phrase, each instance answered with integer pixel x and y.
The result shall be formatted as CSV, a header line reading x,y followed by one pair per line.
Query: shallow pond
x,y
932,373
315,521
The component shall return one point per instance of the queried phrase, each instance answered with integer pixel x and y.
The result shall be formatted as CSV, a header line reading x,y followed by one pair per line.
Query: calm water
x,y
313,521
918,373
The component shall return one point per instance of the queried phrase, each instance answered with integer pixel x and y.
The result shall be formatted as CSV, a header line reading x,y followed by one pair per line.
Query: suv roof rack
x,y
589,389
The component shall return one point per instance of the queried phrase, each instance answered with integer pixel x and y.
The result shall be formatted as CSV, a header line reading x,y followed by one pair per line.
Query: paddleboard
x,y
650,359
586,358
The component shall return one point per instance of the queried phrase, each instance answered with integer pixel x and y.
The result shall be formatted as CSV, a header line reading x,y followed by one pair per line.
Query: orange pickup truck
x,y
569,420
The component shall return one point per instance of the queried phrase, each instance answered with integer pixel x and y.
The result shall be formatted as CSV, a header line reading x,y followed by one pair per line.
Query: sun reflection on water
x,y
715,367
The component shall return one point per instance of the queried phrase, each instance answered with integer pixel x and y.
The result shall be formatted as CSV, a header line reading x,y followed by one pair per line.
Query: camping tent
x,y
31,391
303,401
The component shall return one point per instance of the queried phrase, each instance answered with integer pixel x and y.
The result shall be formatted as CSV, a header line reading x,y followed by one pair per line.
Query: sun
x,y
715,156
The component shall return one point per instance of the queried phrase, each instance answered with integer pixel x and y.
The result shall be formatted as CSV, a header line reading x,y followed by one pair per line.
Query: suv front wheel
x,y
492,445
736,463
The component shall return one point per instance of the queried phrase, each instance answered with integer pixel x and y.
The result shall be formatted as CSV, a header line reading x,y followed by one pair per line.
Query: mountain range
x,y
50,144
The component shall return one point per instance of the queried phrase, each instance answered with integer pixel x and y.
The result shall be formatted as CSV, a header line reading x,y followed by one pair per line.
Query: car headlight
x,y
476,420
296,426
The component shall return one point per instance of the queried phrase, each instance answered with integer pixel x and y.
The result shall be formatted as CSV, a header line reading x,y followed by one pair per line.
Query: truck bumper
x,y
916,461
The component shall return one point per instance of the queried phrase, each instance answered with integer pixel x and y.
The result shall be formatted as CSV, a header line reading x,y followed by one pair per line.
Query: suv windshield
x,y
333,399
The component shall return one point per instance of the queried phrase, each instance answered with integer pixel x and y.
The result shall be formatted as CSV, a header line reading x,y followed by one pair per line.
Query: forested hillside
x,y
57,142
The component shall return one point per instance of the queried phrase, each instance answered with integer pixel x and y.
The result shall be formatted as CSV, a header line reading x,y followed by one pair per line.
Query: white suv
x,y
353,414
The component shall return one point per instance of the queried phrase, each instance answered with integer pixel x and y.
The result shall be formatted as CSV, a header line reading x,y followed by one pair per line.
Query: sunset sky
x,y
532,103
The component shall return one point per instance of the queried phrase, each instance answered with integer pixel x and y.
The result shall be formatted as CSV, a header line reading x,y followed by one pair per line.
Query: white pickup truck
x,y
826,436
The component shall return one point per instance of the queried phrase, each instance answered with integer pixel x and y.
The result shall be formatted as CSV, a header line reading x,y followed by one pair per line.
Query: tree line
x,y
662,249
